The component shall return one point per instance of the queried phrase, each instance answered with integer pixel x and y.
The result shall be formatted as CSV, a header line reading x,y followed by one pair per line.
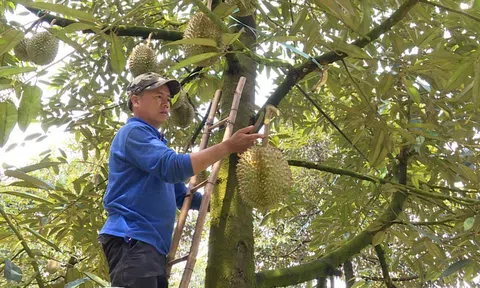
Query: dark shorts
x,y
134,264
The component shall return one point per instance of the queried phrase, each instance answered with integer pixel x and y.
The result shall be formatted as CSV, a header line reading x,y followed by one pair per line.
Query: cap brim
x,y
173,86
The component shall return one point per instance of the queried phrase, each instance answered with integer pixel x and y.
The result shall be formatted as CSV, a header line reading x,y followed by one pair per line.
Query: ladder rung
x,y
219,123
178,260
199,185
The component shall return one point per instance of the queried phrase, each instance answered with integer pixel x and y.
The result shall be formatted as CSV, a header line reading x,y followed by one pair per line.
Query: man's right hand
x,y
241,140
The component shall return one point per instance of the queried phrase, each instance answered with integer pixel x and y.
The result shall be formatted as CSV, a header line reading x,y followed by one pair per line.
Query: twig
x,y
400,279
25,246
384,265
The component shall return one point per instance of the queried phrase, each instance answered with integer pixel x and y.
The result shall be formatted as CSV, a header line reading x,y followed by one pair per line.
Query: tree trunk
x,y
231,245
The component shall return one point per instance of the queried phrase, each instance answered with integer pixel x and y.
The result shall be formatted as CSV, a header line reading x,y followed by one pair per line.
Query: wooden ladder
x,y
209,184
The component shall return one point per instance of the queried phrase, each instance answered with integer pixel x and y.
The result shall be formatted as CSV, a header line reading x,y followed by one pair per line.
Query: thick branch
x,y
349,273
25,246
408,188
384,265
119,30
410,278
325,265
299,72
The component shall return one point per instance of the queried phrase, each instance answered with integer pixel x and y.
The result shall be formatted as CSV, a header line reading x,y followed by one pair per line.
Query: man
x,y
146,184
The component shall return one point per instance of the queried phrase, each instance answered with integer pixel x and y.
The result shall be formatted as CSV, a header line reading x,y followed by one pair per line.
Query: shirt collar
x,y
159,134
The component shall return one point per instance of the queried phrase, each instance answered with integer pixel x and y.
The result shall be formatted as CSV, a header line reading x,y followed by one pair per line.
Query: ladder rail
x,y
192,256
191,188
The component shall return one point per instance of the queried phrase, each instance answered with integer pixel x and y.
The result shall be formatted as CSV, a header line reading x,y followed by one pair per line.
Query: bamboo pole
x,y
191,185
197,236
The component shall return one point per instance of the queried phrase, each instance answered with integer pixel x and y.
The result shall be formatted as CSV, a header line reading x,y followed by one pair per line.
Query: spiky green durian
x,y
264,177
42,48
200,26
142,60
246,7
21,50
182,112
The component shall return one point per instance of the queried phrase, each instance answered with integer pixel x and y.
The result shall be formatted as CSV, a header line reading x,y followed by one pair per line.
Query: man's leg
x,y
134,264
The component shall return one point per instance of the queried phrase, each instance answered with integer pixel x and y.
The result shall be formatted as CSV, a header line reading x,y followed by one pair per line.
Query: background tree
x,y
379,106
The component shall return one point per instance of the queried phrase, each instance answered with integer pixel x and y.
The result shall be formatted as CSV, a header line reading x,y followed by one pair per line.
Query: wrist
x,y
228,146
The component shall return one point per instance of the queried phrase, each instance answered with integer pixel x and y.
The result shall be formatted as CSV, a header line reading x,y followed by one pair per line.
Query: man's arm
x,y
238,143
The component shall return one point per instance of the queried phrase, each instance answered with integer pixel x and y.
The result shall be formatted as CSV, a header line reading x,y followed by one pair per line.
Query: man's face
x,y
153,106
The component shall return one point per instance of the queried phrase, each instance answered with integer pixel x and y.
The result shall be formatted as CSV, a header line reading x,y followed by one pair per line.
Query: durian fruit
x,y
264,177
42,48
200,26
142,60
21,50
246,7
182,112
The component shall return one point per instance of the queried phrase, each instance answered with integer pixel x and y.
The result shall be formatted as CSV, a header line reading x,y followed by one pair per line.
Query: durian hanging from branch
x,y
263,173
142,59
182,112
200,26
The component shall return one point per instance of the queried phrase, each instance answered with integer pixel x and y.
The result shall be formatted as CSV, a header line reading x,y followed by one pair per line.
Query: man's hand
x,y
241,140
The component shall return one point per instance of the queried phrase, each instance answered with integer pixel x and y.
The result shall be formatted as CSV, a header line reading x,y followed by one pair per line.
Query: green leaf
x,y
455,267
378,238
411,90
26,195
97,279
12,272
9,40
5,234
193,60
77,282
378,145
8,119
77,27
385,83
351,50
13,70
476,86
468,223
43,239
30,179
223,9
229,38
194,41
61,9
299,21
460,75
30,106
117,55
41,165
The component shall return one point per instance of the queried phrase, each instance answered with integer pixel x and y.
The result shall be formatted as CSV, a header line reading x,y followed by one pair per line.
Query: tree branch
x,y
25,246
325,265
384,265
394,279
408,188
349,273
451,10
121,30
300,71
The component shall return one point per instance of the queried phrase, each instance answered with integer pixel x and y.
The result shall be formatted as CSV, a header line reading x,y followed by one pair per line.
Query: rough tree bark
x,y
230,258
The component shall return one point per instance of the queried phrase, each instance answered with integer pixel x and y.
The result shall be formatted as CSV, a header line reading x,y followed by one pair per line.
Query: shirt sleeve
x,y
181,191
144,150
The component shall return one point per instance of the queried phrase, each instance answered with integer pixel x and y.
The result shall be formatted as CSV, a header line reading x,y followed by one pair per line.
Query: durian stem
x,y
149,39
266,123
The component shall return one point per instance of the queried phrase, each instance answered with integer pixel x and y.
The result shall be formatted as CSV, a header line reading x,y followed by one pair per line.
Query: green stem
x,y
25,246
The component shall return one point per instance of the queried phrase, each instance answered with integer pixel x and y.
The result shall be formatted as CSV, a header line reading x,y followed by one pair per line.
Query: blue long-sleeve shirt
x,y
145,186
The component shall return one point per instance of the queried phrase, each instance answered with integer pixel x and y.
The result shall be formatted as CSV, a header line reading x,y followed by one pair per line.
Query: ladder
x,y
209,184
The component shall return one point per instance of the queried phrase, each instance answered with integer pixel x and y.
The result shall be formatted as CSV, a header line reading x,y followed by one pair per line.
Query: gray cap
x,y
150,81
